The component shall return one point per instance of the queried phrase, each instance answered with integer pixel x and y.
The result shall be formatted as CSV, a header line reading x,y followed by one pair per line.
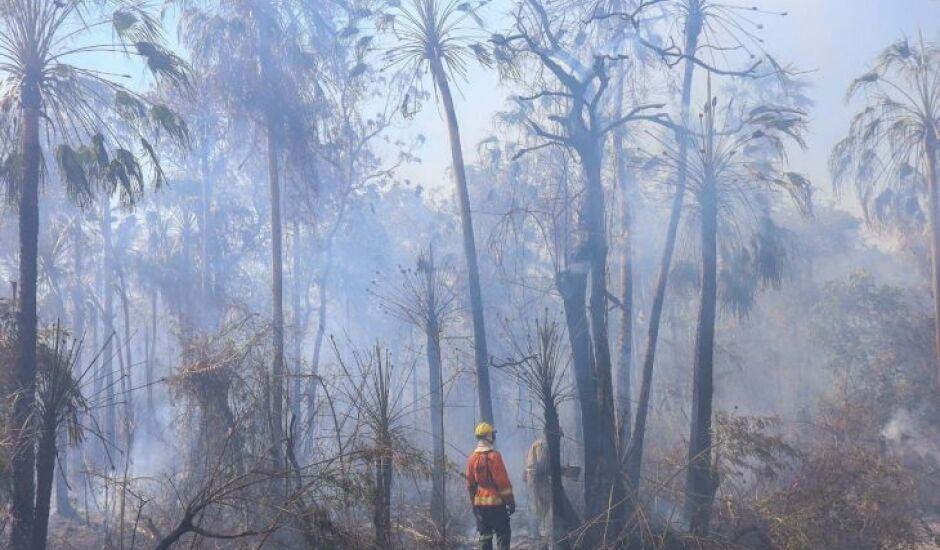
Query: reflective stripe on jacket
x,y
487,480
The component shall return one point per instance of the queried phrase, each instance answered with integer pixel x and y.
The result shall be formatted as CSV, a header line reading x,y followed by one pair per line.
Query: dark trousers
x,y
493,520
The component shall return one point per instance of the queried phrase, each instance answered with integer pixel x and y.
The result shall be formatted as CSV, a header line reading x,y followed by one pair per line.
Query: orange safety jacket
x,y
487,480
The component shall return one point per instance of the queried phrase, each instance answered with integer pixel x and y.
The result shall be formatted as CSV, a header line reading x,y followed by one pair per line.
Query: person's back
x,y
490,490
536,478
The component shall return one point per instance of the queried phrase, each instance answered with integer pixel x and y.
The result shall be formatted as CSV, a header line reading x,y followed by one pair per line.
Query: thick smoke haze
x,y
613,274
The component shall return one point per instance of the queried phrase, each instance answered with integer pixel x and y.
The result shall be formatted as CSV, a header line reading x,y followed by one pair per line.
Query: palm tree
x,y
432,40
245,49
731,159
707,27
48,93
891,151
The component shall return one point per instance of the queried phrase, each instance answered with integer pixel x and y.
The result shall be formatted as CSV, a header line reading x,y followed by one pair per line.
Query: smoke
x,y
907,436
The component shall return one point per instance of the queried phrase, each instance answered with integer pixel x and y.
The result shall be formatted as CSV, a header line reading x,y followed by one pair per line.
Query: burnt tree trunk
x,y
700,481
435,380
608,494
469,244
634,455
572,285
24,366
45,468
564,517
382,514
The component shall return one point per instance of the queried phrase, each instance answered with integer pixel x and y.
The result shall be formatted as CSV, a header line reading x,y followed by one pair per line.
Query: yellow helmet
x,y
484,429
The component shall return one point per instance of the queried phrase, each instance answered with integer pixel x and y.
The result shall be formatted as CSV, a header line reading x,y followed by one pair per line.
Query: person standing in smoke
x,y
490,490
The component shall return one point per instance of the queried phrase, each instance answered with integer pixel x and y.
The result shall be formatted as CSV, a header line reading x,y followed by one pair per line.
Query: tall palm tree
x,y
707,27
892,148
432,39
256,56
734,156
50,98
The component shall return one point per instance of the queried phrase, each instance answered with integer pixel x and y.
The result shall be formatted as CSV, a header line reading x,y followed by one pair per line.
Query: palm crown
x,y
886,151
43,46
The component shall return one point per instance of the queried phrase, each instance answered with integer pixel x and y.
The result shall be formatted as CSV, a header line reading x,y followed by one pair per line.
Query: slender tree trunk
x,y
98,371
71,466
625,357
107,360
277,276
127,375
700,481
624,388
564,517
469,244
63,507
205,236
634,458
318,348
151,359
572,285
45,471
933,204
297,325
435,380
24,373
382,515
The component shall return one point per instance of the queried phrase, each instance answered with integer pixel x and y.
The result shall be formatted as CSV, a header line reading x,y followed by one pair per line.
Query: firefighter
x,y
490,490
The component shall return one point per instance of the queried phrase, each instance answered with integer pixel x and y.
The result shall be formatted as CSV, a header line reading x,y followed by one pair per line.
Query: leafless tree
x,y
542,368
426,299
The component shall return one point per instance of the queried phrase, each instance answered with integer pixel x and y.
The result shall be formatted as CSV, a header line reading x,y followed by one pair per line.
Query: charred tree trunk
x,y
634,457
572,285
700,481
564,517
24,368
469,243
45,470
382,514
435,380
609,487
63,506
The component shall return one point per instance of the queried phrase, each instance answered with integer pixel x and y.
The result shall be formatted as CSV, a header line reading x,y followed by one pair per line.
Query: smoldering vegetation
x,y
236,318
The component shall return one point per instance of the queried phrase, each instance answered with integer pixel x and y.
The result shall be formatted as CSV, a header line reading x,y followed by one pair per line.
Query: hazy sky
x,y
832,39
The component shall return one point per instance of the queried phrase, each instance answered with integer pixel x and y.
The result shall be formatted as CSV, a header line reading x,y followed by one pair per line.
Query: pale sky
x,y
833,39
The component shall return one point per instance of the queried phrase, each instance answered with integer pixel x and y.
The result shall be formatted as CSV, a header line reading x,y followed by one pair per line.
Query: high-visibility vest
x,y
487,480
